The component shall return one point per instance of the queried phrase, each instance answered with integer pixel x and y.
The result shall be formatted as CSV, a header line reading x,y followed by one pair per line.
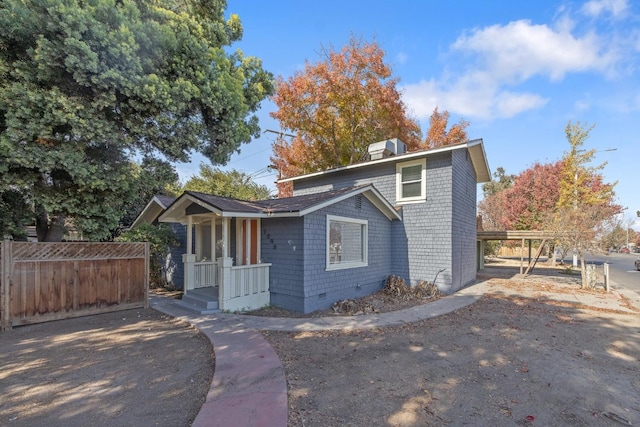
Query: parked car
x,y
638,264
625,251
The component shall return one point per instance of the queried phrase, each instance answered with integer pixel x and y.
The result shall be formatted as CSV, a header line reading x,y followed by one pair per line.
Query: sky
x,y
517,71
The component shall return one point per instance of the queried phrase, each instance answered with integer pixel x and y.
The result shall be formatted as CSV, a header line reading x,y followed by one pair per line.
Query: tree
x,y
438,136
336,107
86,85
501,181
235,184
151,177
160,238
532,199
491,207
14,215
585,202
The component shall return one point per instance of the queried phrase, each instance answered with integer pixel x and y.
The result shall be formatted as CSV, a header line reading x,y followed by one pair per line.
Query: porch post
x,y
225,292
224,264
213,238
225,237
189,259
199,241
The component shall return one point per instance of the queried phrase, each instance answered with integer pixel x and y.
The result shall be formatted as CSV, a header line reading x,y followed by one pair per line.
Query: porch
x,y
222,266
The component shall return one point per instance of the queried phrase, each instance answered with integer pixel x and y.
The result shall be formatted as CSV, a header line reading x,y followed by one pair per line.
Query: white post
x,y
225,237
224,280
189,259
213,238
199,241
189,235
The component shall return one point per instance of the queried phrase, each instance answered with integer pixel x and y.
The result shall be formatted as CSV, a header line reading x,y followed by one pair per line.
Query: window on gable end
x,y
411,181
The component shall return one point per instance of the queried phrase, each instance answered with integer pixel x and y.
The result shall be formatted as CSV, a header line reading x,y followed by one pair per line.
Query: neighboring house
x,y
343,232
172,268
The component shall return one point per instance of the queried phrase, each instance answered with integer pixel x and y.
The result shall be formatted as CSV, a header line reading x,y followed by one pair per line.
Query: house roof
x,y
153,209
285,207
475,147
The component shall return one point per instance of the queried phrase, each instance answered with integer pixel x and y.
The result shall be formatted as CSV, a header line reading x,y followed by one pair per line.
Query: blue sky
x,y
518,71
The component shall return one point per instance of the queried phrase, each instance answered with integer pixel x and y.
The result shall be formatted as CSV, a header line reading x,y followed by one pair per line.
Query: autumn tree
x,y
439,136
522,202
491,207
585,202
233,183
87,85
336,107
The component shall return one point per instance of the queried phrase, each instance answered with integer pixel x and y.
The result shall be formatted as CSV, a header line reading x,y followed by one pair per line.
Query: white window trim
x,y
423,187
365,244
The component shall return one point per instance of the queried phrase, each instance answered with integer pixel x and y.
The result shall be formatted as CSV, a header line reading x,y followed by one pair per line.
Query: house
x,y
343,232
172,268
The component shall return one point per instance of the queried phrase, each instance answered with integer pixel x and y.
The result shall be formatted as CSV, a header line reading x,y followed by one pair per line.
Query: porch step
x,y
201,301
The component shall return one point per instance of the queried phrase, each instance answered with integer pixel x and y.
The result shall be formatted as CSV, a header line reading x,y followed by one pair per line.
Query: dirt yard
x,y
127,368
519,356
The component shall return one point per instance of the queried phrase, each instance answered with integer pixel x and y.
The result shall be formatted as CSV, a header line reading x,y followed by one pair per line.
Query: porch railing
x,y
244,287
205,274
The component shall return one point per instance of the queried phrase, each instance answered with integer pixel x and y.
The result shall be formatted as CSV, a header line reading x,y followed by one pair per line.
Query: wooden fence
x,y
40,282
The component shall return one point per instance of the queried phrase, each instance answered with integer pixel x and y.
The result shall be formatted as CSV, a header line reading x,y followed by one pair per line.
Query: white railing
x,y
205,274
245,288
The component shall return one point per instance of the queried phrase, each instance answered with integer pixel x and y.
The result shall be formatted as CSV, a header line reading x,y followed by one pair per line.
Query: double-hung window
x,y
411,180
346,242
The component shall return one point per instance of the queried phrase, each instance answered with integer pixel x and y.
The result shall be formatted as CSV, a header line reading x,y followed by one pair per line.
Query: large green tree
x,y
233,183
87,84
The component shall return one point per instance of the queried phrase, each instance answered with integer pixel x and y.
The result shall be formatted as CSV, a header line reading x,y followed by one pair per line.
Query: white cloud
x,y
501,58
519,50
595,8
468,98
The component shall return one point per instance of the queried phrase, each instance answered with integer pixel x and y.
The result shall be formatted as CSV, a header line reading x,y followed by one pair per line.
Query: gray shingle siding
x,y
282,245
299,280
464,230
437,237
323,287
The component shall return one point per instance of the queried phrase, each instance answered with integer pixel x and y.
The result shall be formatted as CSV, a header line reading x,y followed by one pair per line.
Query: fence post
x,y
147,253
606,277
5,285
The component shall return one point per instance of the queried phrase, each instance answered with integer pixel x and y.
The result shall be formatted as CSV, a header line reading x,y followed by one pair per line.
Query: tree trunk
x,y
49,229
583,271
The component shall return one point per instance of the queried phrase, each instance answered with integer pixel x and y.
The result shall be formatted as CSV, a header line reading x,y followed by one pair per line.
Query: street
x,y
621,269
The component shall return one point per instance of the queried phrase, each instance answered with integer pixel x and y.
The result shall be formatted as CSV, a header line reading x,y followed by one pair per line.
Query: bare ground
x,y
519,356
127,368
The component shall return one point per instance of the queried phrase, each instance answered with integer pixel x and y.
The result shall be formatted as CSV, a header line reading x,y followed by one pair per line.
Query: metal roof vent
x,y
386,148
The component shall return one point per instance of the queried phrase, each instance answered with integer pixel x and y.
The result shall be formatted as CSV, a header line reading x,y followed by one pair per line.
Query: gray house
x,y
343,232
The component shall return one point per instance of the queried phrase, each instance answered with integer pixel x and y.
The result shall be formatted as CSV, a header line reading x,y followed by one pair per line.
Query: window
x,y
411,181
346,242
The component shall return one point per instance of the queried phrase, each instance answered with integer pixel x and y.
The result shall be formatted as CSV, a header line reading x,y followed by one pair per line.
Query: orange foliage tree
x,y
336,107
438,136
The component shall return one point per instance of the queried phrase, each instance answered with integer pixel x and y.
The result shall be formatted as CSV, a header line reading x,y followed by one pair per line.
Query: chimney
x,y
386,148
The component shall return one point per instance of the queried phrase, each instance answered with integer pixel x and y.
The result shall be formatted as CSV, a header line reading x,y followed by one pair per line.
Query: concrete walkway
x,y
249,386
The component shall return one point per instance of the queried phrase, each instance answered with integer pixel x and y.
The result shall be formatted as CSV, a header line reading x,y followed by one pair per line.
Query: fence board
x,y
51,281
